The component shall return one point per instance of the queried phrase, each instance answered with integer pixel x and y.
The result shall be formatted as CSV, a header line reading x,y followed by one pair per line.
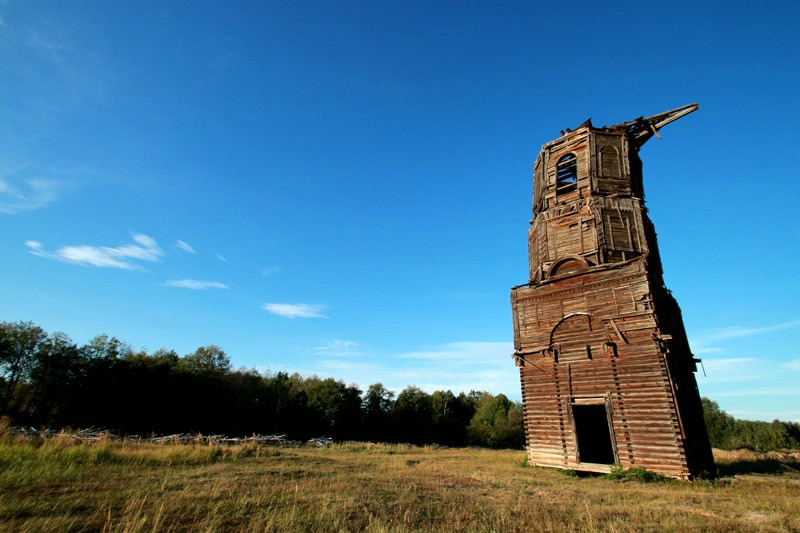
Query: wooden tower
x,y
606,372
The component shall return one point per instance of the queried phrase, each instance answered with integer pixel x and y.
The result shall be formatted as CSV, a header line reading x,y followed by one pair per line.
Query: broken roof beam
x,y
642,129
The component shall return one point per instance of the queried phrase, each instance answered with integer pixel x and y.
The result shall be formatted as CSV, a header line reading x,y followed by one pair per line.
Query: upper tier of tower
x,y
588,199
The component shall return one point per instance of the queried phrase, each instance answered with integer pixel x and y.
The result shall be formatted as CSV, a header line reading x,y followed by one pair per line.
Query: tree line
x,y
728,433
47,380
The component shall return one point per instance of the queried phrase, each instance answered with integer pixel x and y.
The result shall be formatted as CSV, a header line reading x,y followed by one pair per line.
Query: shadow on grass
x,y
757,466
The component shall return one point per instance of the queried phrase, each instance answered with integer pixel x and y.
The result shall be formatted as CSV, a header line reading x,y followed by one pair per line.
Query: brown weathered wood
x,y
599,340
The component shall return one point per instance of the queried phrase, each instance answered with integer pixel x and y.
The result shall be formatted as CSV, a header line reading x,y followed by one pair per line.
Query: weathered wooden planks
x,y
599,341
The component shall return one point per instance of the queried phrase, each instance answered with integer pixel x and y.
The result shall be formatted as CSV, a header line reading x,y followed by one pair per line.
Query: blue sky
x,y
344,188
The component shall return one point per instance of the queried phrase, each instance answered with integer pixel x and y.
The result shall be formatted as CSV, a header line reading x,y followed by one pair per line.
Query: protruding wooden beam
x,y
642,129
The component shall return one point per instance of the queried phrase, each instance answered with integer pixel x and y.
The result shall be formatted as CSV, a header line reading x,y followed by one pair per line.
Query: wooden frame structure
x,y
606,372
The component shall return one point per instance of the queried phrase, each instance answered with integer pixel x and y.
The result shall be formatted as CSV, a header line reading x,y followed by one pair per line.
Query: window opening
x,y
567,173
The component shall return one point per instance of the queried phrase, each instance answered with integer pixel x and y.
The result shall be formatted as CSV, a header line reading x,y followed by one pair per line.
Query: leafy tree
x,y
53,379
147,395
206,361
451,417
378,400
245,402
377,406
412,413
497,423
104,347
719,424
727,433
288,402
19,345
165,357
337,407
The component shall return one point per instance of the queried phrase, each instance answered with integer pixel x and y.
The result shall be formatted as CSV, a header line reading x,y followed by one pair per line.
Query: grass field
x,y
57,485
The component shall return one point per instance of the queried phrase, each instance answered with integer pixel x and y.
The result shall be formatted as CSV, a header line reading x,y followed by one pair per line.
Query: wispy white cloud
x,y
186,247
732,369
268,271
48,47
221,258
339,347
731,363
463,366
707,342
28,195
462,352
54,72
296,310
143,248
195,284
738,331
771,391
700,349
792,365
456,366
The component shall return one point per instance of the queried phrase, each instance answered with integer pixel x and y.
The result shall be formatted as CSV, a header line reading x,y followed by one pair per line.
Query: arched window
x,y
567,173
578,338
573,337
569,265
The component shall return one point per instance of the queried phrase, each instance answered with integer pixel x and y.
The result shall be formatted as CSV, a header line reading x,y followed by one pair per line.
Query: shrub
x,y
639,474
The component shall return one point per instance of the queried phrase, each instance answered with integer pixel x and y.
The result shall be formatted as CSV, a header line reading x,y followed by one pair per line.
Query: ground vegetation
x,y
57,484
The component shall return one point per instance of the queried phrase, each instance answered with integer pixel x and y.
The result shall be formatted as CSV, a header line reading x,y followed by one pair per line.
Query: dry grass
x,y
60,486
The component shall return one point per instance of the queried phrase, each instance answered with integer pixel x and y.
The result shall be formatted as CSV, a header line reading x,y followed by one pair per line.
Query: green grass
x,y
641,475
58,485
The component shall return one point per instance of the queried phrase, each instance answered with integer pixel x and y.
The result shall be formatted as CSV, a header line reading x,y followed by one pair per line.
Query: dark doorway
x,y
593,434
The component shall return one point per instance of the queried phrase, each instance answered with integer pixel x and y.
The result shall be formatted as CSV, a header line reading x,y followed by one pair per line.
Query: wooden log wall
x,y
597,335
602,219
606,348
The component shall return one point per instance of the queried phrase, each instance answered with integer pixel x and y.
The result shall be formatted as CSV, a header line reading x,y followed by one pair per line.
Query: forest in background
x,y
47,380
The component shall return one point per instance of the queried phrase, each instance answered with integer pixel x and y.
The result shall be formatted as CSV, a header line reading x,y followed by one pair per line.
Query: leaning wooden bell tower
x,y
606,372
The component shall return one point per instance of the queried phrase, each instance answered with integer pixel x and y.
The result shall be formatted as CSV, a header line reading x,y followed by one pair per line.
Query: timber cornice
x,y
545,290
